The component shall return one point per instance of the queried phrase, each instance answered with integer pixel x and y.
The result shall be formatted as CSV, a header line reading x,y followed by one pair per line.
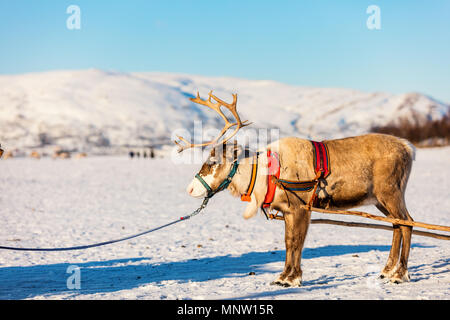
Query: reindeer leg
x,y
296,227
301,224
288,240
401,273
391,263
397,269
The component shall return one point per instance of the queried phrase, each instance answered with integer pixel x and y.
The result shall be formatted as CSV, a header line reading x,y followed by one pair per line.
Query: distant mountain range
x,y
94,109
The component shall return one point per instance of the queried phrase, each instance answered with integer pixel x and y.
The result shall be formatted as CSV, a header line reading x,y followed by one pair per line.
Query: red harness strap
x,y
273,167
321,159
321,167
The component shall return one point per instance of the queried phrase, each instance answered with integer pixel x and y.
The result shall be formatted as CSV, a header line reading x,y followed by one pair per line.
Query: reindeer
x,y
8,154
81,155
61,154
368,169
34,154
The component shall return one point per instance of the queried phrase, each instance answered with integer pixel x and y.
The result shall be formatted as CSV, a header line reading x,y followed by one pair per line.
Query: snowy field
x,y
53,203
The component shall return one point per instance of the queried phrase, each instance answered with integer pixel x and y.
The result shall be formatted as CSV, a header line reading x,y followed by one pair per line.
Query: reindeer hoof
x,y
279,281
387,272
400,277
287,283
296,282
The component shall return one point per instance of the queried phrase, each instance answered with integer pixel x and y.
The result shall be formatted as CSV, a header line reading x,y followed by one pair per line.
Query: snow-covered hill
x,y
89,109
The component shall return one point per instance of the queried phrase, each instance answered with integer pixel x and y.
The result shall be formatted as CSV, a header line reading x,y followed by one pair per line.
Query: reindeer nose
x,y
190,189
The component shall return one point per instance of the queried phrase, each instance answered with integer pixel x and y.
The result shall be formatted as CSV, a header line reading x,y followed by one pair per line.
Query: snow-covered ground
x,y
52,203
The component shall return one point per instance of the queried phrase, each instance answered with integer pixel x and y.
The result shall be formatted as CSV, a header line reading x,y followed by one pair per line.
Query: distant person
x,y
152,153
131,154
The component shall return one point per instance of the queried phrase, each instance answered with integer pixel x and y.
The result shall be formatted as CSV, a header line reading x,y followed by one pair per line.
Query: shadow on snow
x,y
122,274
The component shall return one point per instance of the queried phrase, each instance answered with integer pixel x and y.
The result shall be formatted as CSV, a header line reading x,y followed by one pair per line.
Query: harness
x,y
225,183
273,170
273,167
321,164
321,168
321,159
251,185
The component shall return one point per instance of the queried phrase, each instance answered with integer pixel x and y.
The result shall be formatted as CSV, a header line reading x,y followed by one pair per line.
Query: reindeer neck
x,y
237,184
242,179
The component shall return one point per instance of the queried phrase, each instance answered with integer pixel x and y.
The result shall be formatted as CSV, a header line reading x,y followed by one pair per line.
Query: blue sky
x,y
310,43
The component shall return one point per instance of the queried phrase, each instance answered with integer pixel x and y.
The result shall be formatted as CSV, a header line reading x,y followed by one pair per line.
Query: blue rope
x,y
197,211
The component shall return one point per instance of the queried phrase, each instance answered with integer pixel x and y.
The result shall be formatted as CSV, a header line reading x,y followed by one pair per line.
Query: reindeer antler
x,y
216,107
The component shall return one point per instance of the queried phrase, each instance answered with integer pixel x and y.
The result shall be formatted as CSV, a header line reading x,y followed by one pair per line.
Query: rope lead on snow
x,y
197,211
194,213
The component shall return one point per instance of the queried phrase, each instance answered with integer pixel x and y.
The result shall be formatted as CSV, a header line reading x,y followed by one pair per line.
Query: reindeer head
x,y
216,173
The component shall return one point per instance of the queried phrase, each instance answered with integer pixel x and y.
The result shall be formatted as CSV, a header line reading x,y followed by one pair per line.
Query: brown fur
x,y
61,154
81,155
35,154
368,169
8,154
